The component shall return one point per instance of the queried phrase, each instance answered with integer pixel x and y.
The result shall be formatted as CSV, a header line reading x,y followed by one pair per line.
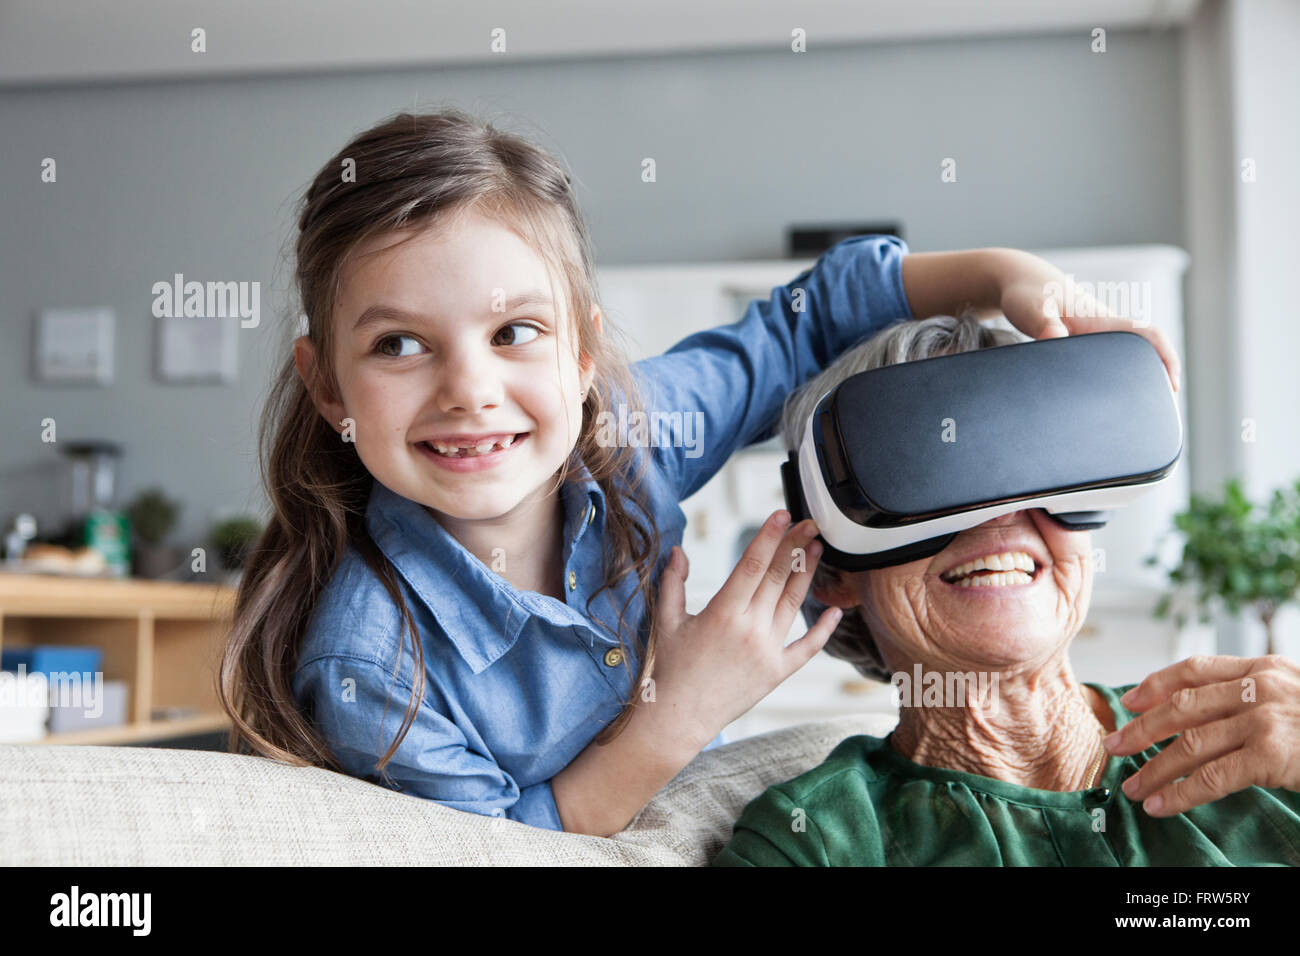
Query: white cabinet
x,y
1120,643
658,306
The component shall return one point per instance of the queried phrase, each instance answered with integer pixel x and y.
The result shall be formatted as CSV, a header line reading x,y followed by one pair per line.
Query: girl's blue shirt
x,y
518,683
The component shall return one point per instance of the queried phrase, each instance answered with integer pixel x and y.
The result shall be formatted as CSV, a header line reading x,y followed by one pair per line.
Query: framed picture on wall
x,y
197,350
74,346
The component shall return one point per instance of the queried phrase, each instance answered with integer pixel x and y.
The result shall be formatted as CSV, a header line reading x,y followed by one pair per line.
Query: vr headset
x,y
896,461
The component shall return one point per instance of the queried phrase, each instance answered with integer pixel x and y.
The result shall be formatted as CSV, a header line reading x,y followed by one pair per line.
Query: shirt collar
x,y
584,504
480,612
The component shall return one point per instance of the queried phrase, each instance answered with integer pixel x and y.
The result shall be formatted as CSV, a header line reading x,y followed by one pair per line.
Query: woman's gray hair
x,y
905,341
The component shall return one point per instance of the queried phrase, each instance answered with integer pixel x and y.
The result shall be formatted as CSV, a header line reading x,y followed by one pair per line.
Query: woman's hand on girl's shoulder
x,y
712,667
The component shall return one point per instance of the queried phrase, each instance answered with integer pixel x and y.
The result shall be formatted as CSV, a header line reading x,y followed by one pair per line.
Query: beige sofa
x,y
131,806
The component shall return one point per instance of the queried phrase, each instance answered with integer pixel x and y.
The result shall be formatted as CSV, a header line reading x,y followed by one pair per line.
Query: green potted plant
x,y
153,515
1237,555
234,538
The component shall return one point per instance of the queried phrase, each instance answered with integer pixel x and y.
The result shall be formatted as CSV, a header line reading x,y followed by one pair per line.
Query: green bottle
x,y
109,533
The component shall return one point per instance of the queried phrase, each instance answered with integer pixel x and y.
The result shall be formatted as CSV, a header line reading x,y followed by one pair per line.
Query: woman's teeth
x,y
995,580
994,570
472,451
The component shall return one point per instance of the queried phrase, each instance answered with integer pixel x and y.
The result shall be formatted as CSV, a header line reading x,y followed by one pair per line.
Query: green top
x,y
868,805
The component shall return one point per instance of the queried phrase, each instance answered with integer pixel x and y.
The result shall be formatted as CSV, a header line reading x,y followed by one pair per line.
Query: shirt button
x,y
613,657
1097,795
573,581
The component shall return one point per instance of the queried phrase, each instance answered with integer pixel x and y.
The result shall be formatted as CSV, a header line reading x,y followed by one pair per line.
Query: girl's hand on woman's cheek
x,y
712,667
1238,725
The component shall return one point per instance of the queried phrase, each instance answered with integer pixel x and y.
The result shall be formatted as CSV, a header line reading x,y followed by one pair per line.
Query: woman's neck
x,y
1044,732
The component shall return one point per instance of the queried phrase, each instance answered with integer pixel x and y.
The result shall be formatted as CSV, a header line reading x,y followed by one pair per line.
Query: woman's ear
x,y
834,590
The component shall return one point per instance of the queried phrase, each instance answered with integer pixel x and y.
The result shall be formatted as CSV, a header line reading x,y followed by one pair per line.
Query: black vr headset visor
x,y
896,461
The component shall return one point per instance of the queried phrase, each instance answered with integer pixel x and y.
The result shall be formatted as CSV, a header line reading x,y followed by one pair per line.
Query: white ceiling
x,y
59,41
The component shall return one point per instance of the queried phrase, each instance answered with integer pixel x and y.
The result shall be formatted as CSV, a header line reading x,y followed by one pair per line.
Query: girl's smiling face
x,y
457,331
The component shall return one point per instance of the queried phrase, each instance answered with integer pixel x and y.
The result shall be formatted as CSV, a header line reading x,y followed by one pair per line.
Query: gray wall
x,y
1055,146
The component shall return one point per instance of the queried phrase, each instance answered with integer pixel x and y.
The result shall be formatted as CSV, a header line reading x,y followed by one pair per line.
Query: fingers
x,y
1189,672
786,580
1209,782
1087,314
1251,744
1195,747
1167,354
1053,327
672,590
790,601
1184,709
798,653
747,575
1036,315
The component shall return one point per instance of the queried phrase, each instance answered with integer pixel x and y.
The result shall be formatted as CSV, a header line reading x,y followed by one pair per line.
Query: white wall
x,y
1241,91
1056,146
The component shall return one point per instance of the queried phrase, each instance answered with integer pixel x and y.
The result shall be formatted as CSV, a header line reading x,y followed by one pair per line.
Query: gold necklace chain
x,y
1095,769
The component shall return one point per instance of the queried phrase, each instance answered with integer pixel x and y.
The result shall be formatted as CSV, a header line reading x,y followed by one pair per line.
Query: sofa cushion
x,y
692,816
133,806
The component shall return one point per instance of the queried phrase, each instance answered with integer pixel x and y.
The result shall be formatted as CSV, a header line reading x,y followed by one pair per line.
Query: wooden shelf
x,y
142,732
163,639
43,595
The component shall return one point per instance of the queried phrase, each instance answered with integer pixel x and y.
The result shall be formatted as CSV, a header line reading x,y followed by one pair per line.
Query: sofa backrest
x,y
134,806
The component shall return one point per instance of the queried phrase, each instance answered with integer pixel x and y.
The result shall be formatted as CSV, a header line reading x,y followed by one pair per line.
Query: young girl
x,y
439,458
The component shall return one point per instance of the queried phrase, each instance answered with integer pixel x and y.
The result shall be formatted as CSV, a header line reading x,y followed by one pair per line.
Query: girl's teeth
x,y
471,451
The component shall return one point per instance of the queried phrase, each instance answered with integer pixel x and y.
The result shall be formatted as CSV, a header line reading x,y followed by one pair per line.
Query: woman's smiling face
x,y
915,613
456,332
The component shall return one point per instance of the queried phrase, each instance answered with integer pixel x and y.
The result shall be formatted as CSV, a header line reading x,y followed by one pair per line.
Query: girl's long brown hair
x,y
411,172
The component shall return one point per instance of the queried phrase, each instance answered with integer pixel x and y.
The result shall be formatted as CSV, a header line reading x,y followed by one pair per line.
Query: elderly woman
x,y
1034,771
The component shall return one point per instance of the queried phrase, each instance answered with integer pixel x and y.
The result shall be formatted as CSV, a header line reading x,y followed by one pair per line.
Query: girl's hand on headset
x,y
1044,303
1238,725
712,667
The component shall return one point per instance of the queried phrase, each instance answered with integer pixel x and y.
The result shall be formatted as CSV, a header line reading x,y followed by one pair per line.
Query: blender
x,y
95,520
